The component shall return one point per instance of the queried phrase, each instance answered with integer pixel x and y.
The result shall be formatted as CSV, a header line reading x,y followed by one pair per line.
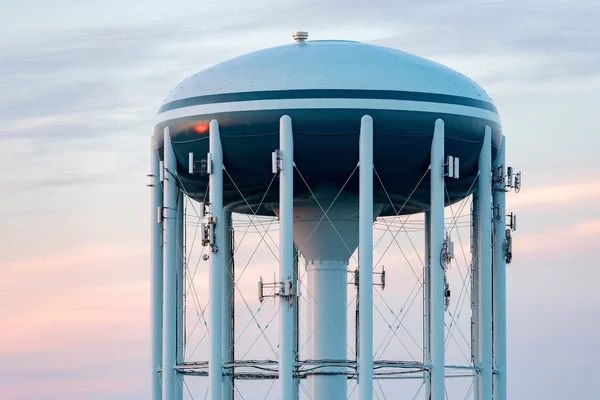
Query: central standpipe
x,y
326,242
215,366
437,267
286,258
327,234
365,260
484,246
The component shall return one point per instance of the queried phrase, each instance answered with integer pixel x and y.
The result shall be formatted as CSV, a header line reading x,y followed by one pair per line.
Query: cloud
x,y
87,307
79,110
573,242
584,192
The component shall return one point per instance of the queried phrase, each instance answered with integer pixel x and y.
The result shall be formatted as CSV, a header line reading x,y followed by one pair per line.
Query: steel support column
x,y
215,157
296,327
365,259
475,289
180,338
228,306
169,376
484,189
286,257
156,227
427,305
437,270
499,279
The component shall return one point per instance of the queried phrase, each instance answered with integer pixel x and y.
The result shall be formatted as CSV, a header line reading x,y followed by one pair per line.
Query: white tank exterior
x,y
317,65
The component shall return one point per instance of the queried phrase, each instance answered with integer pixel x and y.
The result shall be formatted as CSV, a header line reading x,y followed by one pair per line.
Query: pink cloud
x,y
580,236
577,192
70,316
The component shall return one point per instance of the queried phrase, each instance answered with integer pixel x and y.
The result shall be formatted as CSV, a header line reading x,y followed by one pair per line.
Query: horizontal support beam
x,y
274,375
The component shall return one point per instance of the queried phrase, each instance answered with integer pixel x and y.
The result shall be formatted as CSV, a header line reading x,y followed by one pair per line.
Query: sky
x,y
80,86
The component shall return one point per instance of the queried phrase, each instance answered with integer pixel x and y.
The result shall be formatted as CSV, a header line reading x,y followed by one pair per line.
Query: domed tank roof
x,y
328,64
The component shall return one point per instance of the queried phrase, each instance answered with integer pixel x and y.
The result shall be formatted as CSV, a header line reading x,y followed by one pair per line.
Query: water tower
x,y
327,136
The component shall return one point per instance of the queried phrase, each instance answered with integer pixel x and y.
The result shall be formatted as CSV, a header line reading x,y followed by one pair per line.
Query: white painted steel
x,y
475,291
366,104
365,260
180,339
484,189
296,323
437,267
215,368
156,226
499,280
286,257
427,306
169,376
327,295
228,311
334,64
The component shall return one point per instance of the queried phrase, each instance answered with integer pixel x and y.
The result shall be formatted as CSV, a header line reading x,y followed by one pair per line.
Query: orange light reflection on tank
x,y
201,128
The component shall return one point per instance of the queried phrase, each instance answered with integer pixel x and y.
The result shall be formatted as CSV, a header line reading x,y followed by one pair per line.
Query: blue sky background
x,y
80,85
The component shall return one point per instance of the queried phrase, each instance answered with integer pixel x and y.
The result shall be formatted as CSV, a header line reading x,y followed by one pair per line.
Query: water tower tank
x,y
326,88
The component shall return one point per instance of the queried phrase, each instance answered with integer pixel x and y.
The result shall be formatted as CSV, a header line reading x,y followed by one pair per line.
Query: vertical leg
x,y
169,378
309,321
437,268
286,257
296,327
475,290
157,272
365,259
499,282
484,188
427,306
215,368
180,339
228,285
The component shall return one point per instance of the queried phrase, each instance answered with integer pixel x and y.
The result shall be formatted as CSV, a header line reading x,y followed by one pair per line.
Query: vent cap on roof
x,y
300,36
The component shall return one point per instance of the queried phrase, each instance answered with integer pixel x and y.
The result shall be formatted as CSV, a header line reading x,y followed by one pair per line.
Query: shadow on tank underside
x,y
326,155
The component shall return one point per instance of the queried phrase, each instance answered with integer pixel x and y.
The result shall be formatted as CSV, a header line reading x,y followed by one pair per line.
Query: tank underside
x,y
326,154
